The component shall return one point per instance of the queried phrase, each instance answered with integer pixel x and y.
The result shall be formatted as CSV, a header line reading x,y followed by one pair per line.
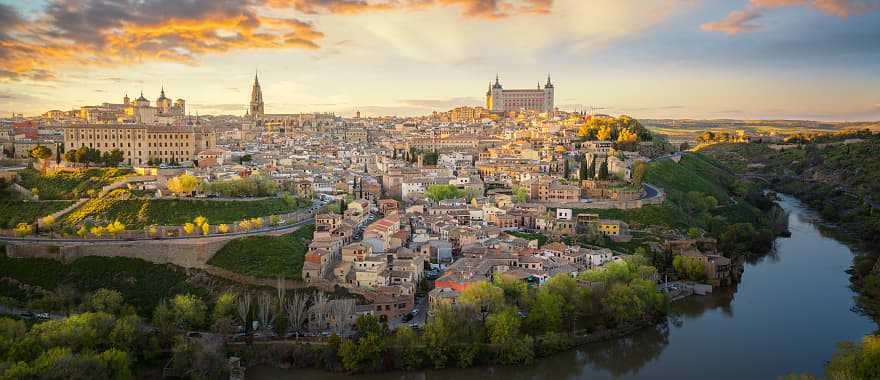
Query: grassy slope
x,y
14,212
266,256
137,213
70,185
141,283
692,173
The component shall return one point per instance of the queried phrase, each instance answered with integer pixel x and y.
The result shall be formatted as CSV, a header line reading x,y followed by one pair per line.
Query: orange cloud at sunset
x,y
93,32
32,50
744,20
489,9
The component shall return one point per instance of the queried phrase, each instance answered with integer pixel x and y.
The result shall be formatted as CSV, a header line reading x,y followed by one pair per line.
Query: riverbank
x,y
839,181
787,315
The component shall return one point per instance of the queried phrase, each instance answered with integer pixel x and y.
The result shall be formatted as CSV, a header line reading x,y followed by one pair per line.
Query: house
x,y
388,206
616,229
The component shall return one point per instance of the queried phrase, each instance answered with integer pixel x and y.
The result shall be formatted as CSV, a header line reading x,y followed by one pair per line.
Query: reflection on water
x,y
786,315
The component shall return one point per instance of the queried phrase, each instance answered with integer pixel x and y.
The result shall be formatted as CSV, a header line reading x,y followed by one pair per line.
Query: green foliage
x,y
441,192
136,213
545,313
514,290
70,185
639,172
251,186
609,128
856,361
504,335
362,354
112,157
691,173
266,256
83,346
15,212
40,152
142,284
520,194
190,311
690,268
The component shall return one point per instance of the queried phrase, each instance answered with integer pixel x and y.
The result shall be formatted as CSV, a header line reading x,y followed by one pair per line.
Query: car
x,y
407,317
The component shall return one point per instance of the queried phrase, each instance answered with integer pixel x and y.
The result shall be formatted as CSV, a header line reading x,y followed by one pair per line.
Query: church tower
x,y
256,106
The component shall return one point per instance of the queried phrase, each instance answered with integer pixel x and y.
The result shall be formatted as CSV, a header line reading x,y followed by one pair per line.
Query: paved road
x,y
306,220
248,233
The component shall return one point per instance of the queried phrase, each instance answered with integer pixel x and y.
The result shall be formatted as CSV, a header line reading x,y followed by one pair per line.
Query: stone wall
x,y
187,253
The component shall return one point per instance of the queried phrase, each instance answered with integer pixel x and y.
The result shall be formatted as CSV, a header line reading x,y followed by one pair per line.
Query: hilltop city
x,y
567,227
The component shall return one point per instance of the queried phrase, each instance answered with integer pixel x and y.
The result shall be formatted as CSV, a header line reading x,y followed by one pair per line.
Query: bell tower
x,y
256,106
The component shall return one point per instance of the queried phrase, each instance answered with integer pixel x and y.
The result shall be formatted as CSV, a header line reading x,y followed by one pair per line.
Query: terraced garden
x,y
70,185
135,212
15,212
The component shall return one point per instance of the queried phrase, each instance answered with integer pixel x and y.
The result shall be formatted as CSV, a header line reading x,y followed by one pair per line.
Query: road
x,y
307,220
418,320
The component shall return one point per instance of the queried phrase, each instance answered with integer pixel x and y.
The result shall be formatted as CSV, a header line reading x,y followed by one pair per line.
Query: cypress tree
x,y
582,173
565,170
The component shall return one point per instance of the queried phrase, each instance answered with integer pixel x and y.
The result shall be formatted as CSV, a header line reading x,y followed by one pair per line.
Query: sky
x,y
737,59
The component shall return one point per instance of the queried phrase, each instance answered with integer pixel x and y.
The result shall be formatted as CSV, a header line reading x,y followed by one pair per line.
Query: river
x,y
787,315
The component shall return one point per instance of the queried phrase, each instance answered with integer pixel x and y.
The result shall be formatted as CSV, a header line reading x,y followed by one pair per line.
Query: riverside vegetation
x,y
835,174
500,321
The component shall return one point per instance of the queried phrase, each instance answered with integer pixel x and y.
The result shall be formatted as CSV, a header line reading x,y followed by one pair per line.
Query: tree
x,y
639,171
189,311
504,334
23,229
520,194
226,306
71,156
108,301
183,184
440,192
584,169
297,311
112,157
407,342
482,297
856,361
604,133
603,170
690,267
545,311
41,153
363,353
245,158
126,333
565,170
591,172
514,290
623,304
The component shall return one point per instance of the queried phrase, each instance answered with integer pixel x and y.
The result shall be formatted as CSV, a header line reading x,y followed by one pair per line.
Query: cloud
x,y
488,9
735,22
744,20
103,33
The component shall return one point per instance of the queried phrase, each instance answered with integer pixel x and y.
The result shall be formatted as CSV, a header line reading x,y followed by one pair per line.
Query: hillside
x,y
840,181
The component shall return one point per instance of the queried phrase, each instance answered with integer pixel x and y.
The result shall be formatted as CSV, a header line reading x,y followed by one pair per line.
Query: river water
x,y
787,315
